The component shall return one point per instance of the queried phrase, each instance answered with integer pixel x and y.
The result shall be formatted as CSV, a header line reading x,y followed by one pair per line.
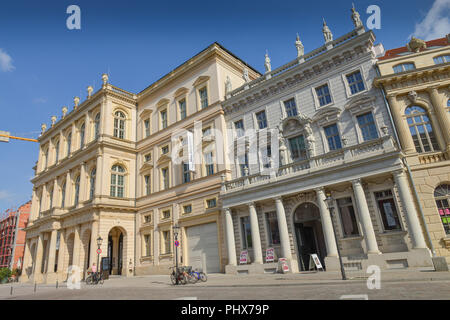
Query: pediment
x,y
294,124
163,159
181,91
360,103
162,102
327,115
200,80
146,166
146,113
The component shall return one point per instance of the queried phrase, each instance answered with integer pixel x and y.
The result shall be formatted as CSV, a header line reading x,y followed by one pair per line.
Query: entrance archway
x,y
116,243
309,234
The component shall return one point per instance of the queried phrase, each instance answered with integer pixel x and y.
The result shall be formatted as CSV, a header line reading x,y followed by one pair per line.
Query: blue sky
x,y
43,65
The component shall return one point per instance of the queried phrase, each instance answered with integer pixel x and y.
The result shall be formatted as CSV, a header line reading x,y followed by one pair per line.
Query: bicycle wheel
x,y
203,277
192,278
183,279
173,278
89,280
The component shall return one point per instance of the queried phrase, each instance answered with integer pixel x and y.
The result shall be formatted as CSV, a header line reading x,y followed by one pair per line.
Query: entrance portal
x,y
309,234
115,251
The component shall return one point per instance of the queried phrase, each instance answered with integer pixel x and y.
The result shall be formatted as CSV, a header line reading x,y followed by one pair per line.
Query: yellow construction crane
x,y
5,136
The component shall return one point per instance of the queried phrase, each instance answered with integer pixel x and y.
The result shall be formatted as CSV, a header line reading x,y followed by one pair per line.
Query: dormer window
x,y
404,67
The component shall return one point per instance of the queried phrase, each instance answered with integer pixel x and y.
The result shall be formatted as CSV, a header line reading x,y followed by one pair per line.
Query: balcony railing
x,y
331,159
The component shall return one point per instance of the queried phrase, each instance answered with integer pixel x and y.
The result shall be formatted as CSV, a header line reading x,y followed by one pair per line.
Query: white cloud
x,y
5,61
39,100
436,23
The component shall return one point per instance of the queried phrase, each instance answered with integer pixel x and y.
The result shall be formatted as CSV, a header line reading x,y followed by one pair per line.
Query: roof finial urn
x,y
105,78
300,47
90,89
53,118
245,75
64,111
76,101
43,128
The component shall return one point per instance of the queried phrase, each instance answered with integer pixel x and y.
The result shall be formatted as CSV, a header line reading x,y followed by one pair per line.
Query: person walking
x,y
94,271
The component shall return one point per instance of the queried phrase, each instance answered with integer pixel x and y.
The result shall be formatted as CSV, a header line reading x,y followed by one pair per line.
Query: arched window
x,y
119,125
92,184
56,151
421,129
69,143
117,181
51,198
63,195
442,197
77,190
82,131
97,125
404,67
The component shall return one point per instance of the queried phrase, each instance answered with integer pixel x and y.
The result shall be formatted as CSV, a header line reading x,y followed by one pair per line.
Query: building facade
x,y
416,81
332,130
113,168
12,236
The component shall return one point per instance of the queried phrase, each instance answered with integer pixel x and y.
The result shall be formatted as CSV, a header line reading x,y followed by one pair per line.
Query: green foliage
x,y
4,273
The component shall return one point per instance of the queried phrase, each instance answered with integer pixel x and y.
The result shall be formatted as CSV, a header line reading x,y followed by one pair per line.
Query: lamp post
x,y
329,200
176,229
99,244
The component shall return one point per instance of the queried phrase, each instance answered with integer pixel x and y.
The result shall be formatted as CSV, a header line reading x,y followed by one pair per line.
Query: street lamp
x,y
329,200
99,244
176,230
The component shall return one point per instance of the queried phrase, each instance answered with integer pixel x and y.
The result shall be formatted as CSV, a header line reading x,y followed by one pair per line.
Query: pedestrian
x,y
94,271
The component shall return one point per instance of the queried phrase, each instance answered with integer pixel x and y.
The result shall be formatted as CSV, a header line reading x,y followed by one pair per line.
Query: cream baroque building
x,y
106,169
416,80
335,137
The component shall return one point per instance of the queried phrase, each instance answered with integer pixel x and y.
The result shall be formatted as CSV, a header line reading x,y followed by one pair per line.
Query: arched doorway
x,y
309,234
115,250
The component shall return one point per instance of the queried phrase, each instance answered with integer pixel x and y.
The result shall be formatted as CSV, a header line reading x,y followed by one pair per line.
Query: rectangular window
x,y
186,173
209,164
239,127
290,107
165,178
323,95
266,155
206,132
187,209
147,127
203,97
147,182
272,228
166,214
165,150
148,247
404,67
386,205
148,157
148,218
348,217
163,115
332,135
166,242
211,203
367,125
355,82
243,163
298,148
261,118
246,233
182,106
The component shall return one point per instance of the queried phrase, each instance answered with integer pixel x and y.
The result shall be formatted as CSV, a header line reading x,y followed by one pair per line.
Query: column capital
x,y
391,96
320,189
278,199
398,173
356,181
251,204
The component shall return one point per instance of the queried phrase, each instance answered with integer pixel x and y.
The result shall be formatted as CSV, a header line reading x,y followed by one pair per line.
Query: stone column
x,y
257,251
98,177
76,247
94,236
402,126
52,253
55,193
327,224
62,254
34,205
87,128
231,244
44,204
83,183
364,215
442,116
414,228
68,189
37,272
27,261
283,229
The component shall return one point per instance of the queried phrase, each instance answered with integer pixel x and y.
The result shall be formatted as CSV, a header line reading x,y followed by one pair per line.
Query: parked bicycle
x,y
198,275
95,278
181,275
